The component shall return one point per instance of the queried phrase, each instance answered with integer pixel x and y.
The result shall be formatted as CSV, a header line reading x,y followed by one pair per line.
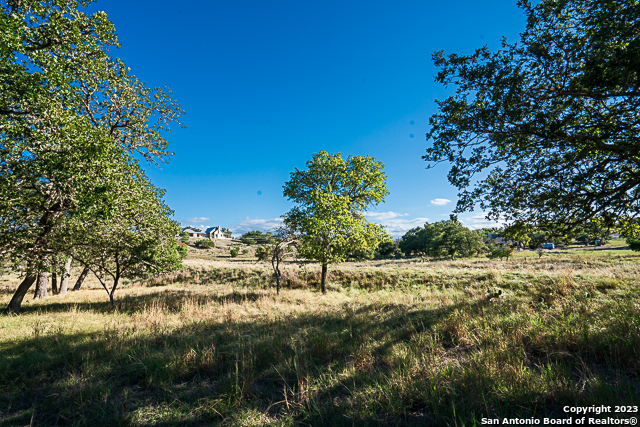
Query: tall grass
x,y
393,343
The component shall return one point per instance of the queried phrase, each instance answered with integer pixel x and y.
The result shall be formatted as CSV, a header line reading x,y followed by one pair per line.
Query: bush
x,y
263,253
386,249
245,251
248,241
634,244
258,237
183,250
205,244
234,252
500,253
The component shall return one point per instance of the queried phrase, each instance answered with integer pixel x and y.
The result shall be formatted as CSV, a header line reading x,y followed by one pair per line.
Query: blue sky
x,y
267,84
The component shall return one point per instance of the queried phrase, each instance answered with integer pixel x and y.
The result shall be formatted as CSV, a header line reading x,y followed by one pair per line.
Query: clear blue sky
x,y
267,84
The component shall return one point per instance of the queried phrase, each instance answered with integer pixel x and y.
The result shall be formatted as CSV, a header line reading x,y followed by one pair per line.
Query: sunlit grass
x,y
393,342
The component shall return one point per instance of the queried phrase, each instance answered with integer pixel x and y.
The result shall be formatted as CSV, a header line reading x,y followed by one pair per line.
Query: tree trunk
x,y
41,285
83,275
323,279
16,300
54,283
64,282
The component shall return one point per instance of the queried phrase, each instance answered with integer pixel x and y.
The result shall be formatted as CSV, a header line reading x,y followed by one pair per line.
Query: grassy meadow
x,y
397,342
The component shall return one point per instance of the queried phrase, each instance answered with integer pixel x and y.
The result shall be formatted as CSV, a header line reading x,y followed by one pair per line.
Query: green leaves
x,y
332,195
73,124
550,122
444,238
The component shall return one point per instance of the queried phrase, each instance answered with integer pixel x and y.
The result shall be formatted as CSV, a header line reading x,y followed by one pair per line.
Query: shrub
x,y
245,251
248,241
634,244
183,250
205,243
234,252
386,248
500,253
263,253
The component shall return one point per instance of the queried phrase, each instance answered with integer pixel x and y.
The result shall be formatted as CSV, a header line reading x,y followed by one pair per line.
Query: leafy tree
x,y
331,197
69,116
227,231
453,239
444,238
501,253
552,120
133,239
361,255
386,248
591,231
258,237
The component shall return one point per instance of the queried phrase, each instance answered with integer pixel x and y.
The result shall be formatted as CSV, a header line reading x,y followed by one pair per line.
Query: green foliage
x,y
245,251
634,244
386,249
361,255
502,253
184,237
122,243
73,123
263,253
444,238
331,197
257,237
205,244
183,250
233,251
551,120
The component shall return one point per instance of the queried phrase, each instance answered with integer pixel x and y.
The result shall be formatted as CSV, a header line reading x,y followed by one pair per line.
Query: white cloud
x,y
440,202
197,219
251,224
380,216
395,226
475,222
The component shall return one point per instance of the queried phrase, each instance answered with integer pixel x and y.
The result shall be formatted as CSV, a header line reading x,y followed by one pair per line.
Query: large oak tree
x,y
70,115
547,131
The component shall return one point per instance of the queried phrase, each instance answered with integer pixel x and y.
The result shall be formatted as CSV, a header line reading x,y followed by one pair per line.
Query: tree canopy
x,y
551,121
331,197
444,238
72,119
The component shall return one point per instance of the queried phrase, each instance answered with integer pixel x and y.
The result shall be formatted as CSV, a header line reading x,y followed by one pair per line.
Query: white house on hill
x,y
217,233
210,233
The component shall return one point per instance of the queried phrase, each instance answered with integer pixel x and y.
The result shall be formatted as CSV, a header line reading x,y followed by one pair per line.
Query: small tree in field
x,y
332,196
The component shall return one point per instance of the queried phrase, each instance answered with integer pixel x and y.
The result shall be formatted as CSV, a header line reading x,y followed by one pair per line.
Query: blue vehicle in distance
x,y
548,246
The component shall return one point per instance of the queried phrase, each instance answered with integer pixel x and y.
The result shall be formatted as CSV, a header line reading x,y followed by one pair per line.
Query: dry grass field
x,y
398,342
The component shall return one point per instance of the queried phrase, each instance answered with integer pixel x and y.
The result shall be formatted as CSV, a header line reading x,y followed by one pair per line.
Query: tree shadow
x,y
331,368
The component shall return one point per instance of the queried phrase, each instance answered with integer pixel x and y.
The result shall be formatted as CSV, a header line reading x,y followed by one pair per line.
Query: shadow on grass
x,y
369,365
172,300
